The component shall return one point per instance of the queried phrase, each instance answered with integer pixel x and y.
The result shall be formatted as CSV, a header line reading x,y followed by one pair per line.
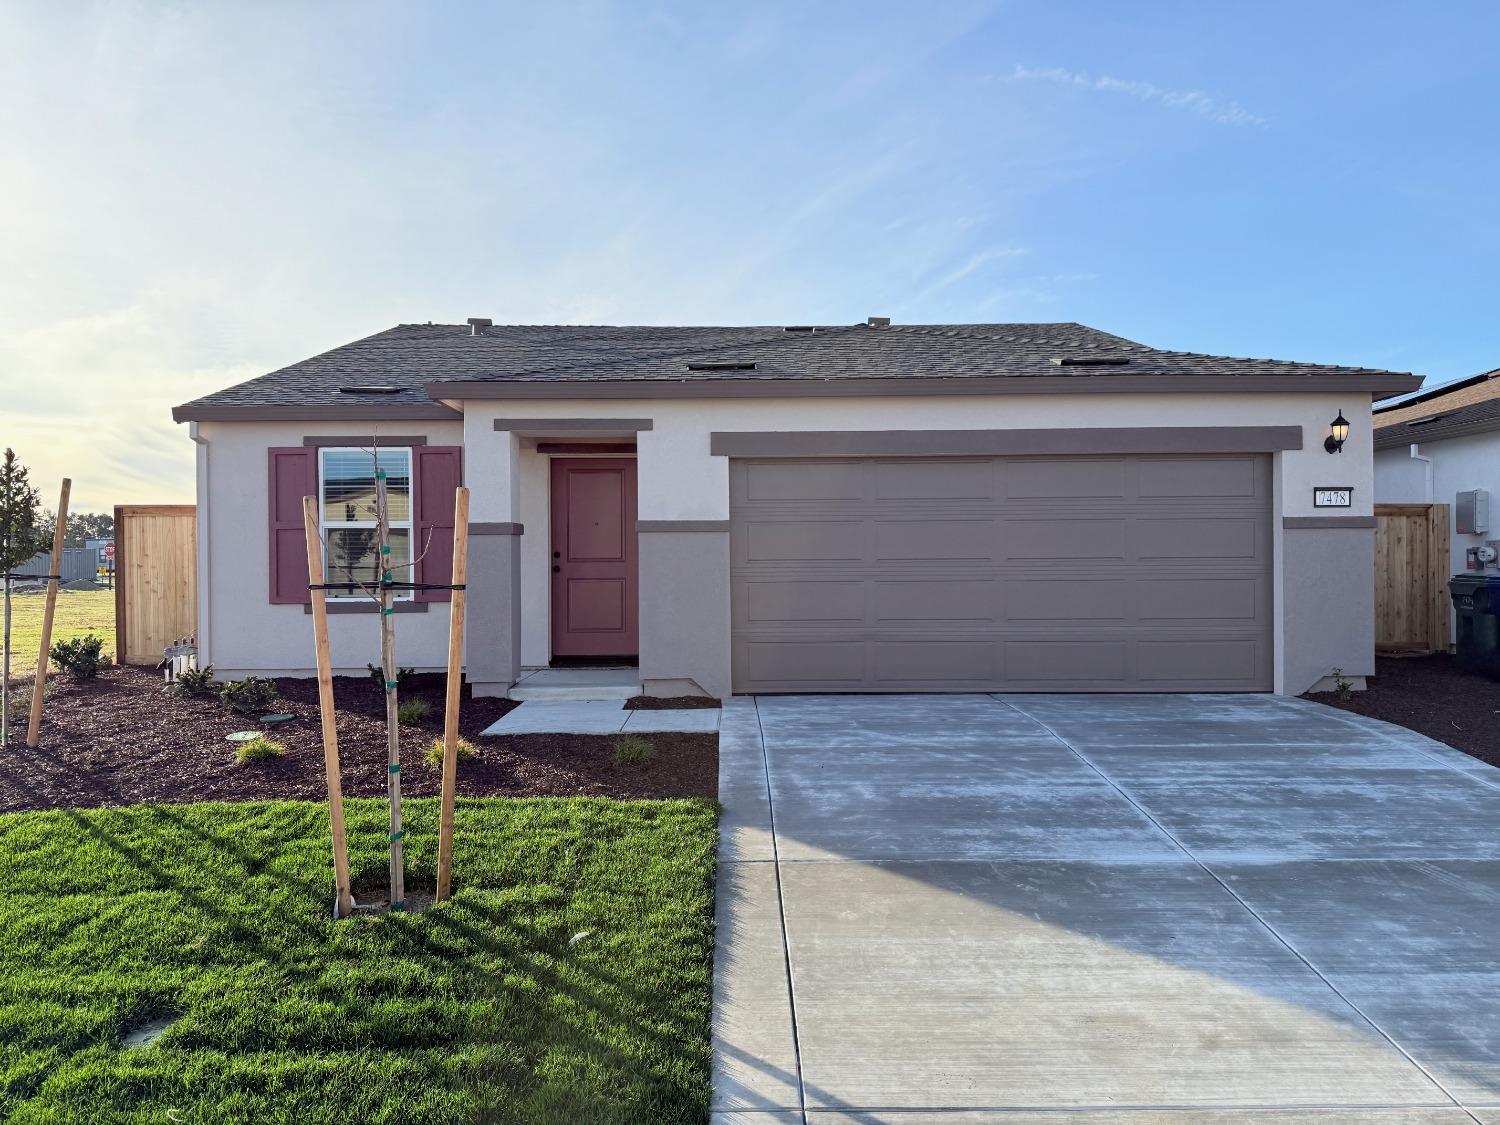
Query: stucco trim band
x,y
456,390
497,529
1328,523
566,425
951,443
682,525
394,441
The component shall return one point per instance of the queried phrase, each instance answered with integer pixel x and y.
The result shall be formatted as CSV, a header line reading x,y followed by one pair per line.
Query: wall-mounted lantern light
x,y
1338,433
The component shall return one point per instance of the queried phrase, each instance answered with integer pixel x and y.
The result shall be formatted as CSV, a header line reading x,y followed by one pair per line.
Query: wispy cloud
x,y
1194,101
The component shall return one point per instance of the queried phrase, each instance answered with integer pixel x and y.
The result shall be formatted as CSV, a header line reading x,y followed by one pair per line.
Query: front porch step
x,y
577,684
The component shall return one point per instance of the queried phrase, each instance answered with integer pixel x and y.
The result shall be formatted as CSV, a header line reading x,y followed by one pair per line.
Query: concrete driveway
x,y
946,910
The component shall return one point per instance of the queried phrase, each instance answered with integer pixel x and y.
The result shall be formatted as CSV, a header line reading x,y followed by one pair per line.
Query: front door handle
x,y
556,569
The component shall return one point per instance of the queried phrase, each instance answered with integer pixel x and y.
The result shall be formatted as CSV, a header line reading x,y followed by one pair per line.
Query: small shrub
x,y
250,696
413,711
633,750
81,657
467,752
1343,687
196,681
403,677
258,750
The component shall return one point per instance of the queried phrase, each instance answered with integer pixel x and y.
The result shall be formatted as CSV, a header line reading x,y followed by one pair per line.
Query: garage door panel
x,y
1062,540
1072,479
1197,661
804,480
805,661
913,600
1197,599
934,480
937,662
1199,538
1092,660
799,601
1226,478
1092,599
806,541
1026,574
956,540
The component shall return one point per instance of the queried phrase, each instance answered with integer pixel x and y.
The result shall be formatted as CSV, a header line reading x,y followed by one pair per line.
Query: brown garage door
x,y
1131,573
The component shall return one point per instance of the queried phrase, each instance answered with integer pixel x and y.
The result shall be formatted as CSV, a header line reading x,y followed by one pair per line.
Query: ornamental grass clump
x,y
633,750
414,711
258,750
466,752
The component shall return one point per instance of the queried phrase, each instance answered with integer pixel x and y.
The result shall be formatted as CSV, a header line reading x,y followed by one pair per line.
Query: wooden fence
x,y
156,579
1411,578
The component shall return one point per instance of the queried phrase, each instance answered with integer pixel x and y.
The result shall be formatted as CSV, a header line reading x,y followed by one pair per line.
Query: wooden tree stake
x,y
39,691
392,705
345,896
455,685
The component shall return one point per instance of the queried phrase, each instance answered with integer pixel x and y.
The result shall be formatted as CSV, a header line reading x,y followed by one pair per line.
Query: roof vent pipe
x,y
478,322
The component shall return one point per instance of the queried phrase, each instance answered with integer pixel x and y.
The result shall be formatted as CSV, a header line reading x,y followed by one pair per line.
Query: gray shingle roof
x,y
411,355
1477,418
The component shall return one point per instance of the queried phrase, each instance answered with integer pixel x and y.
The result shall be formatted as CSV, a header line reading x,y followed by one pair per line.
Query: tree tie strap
x,y
396,836
395,767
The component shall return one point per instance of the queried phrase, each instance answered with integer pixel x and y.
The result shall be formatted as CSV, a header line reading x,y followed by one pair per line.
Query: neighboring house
x,y
875,507
1432,446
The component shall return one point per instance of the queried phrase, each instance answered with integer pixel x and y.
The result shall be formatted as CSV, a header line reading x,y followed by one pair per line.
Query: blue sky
x,y
195,193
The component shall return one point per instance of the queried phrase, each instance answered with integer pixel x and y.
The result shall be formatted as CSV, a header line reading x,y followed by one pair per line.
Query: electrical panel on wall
x,y
1471,512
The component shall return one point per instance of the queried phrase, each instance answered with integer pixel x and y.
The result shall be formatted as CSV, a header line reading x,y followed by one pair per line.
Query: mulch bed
x,y
1430,695
122,739
671,703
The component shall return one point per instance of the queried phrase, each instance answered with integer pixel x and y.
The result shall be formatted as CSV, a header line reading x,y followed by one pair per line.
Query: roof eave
x,y
1390,437
325,412
1376,384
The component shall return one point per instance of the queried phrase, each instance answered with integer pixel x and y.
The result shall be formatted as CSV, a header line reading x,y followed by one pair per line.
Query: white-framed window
x,y
346,495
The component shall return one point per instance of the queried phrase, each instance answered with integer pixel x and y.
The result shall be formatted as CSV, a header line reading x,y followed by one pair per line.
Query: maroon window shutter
x,y
293,474
436,471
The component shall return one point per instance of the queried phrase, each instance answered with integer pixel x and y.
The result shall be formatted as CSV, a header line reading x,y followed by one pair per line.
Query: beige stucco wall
x,y
679,479
240,632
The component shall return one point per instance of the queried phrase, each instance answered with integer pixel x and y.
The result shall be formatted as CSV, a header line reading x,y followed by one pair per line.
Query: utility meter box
x,y
1471,512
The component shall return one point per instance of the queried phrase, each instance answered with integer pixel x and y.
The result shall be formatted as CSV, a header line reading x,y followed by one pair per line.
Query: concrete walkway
x,y
1113,910
564,716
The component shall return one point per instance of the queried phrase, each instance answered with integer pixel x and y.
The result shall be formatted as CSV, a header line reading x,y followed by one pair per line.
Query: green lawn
x,y
78,612
477,1010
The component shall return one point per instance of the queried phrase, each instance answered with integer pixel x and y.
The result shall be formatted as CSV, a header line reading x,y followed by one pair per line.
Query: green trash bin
x,y
1478,632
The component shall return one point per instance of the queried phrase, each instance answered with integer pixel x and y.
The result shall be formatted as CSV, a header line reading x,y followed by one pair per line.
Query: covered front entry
x,y
593,558
1107,573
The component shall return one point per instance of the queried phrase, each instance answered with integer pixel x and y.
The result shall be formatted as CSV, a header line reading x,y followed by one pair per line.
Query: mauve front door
x,y
593,557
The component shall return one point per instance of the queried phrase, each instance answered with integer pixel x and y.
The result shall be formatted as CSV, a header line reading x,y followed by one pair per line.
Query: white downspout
x,y
1427,470
205,570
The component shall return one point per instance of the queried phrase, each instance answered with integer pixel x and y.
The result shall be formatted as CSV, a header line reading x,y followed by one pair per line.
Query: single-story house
x,y
807,508
1432,446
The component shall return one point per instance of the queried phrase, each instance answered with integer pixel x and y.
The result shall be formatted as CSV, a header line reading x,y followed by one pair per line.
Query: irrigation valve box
x,y
1471,512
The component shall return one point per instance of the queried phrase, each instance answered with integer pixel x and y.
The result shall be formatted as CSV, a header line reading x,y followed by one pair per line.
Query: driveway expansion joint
x,y
786,945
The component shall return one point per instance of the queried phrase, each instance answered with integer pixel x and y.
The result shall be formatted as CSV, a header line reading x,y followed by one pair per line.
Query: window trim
x,y
408,525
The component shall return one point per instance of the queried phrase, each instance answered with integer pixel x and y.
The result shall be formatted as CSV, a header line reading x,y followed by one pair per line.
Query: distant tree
x,y
82,526
21,537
